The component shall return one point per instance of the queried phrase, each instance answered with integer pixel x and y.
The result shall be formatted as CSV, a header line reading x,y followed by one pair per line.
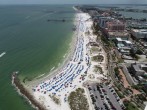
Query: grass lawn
x,y
120,94
131,106
98,58
77,100
98,69
95,49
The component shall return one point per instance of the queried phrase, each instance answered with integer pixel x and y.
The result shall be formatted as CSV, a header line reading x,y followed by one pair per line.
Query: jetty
x,y
25,93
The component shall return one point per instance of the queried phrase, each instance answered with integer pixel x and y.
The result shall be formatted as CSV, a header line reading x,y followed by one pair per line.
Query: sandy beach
x,y
53,71
76,70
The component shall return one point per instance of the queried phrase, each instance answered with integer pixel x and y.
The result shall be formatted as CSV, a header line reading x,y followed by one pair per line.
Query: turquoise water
x,y
33,46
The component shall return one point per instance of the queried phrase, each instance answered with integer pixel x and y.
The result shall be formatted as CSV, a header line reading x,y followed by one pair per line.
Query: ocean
x,y
33,44
33,40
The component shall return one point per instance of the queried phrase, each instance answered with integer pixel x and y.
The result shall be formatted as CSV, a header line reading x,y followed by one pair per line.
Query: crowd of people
x,y
73,69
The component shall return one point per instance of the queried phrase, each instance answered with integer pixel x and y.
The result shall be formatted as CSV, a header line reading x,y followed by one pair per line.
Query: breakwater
x,y
25,93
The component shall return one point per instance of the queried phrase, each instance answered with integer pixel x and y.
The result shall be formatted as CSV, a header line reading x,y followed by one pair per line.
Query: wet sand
x,y
68,57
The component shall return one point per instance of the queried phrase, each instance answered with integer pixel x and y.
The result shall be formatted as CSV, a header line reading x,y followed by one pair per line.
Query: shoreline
x,y
22,91
29,84
27,87
72,73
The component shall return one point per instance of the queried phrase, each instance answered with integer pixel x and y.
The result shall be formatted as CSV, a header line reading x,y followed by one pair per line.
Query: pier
x,y
59,20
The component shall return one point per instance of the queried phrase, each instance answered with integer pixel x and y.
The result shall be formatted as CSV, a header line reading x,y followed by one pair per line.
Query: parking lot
x,y
104,97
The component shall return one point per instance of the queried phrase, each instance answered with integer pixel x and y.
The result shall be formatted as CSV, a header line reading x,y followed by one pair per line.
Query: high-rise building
x,y
104,20
115,26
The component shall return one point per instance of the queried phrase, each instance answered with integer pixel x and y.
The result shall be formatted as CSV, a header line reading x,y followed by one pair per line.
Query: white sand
x,y
74,74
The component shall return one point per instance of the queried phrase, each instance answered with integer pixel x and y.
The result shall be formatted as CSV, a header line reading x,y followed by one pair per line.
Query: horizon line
x,y
68,4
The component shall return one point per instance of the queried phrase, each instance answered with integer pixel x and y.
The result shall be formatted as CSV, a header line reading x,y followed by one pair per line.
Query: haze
x,y
73,1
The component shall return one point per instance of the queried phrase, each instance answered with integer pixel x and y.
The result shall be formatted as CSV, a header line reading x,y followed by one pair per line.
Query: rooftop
x,y
128,42
118,33
106,17
139,67
136,67
118,39
120,45
140,30
114,22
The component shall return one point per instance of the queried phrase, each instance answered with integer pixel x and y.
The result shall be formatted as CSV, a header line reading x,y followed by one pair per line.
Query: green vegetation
x,y
95,28
120,60
77,100
140,87
137,57
129,90
26,93
119,90
133,54
137,87
87,33
139,52
120,94
116,70
98,69
55,99
95,49
105,40
130,106
126,92
141,97
113,57
98,58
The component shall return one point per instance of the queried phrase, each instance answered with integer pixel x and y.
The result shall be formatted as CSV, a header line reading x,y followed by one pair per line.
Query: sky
x,y
73,1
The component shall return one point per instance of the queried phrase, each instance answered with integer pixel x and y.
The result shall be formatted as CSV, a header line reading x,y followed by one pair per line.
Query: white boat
x,y
2,54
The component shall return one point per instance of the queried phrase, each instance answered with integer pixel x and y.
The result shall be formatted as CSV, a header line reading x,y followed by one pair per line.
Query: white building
x,y
124,46
127,43
139,33
145,107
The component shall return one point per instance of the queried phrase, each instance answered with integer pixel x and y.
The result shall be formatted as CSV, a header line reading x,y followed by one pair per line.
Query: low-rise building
x,y
139,70
111,35
118,41
125,50
145,106
127,43
124,42
139,33
136,24
124,46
